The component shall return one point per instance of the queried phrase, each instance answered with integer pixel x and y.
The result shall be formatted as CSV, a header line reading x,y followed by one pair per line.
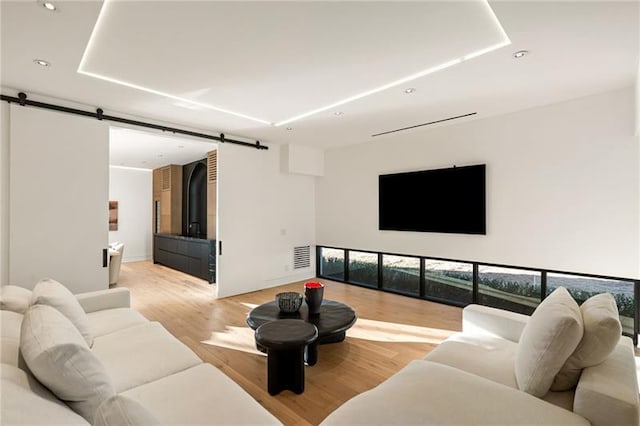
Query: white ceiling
x,y
144,150
275,60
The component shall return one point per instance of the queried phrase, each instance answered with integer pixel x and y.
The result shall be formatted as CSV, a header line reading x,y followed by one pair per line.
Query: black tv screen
x,y
443,200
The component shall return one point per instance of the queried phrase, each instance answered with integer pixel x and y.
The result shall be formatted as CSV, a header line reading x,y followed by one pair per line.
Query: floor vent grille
x,y
301,257
166,178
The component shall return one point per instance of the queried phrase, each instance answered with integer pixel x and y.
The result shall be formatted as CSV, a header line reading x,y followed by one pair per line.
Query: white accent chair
x,y
116,251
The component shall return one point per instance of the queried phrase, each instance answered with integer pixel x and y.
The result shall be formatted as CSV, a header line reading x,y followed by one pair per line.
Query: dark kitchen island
x,y
193,256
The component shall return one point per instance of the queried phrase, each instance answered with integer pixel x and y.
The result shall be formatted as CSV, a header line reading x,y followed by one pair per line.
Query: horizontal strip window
x,y
401,274
363,268
459,282
448,281
332,264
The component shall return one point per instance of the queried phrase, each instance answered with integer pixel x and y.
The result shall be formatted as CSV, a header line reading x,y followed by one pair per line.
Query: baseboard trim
x,y
127,259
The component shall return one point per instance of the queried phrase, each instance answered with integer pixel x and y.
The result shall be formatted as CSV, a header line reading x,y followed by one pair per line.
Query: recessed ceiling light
x,y
42,62
409,90
520,54
338,113
49,6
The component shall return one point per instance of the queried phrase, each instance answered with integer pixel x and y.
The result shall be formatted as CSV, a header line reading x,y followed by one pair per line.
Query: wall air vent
x,y
301,257
166,178
212,166
425,124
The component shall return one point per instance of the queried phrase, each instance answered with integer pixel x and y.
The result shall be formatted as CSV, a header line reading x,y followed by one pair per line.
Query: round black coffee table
x,y
332,322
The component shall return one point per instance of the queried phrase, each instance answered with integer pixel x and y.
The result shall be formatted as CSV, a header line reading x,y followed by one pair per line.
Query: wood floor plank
x,y
391,331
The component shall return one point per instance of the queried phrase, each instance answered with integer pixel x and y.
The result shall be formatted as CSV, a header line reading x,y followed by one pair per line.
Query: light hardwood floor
x,y
391,331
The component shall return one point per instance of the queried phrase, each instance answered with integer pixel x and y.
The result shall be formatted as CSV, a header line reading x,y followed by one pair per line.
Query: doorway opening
x,y
161,186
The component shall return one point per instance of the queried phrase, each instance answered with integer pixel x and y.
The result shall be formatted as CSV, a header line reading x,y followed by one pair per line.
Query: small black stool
x,y
285,341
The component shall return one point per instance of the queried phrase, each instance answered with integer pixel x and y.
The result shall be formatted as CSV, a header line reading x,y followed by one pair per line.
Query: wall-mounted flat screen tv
x,y
451,200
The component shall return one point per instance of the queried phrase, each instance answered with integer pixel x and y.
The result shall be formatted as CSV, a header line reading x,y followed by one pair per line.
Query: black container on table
x,y
313,294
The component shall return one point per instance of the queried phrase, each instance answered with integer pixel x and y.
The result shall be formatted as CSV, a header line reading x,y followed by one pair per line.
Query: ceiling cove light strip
x,y
371,92
81,70
505,42
170,96
140,169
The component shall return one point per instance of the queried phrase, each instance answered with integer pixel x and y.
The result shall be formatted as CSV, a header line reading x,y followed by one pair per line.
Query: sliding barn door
x,y
59,178
242,203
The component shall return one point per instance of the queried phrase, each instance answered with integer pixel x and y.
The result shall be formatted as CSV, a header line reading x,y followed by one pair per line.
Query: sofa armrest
x,y
496,322
105,299
607,393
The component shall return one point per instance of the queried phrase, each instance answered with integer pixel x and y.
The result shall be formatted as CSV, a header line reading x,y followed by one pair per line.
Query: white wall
x,y
262,214
4,193
562,188
302,160
637,116
132,189
637,85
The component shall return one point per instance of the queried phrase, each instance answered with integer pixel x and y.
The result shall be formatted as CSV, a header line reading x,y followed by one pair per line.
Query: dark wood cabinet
x,y
167,199
193,256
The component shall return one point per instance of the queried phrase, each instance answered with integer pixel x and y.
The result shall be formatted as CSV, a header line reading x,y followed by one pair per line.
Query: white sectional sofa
x,y
477,377
498,371
144,363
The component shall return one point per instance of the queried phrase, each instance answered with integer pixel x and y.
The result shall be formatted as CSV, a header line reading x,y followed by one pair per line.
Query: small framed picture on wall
x,y
113,215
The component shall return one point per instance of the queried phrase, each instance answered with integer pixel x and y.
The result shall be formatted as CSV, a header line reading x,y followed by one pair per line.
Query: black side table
x,y
285,341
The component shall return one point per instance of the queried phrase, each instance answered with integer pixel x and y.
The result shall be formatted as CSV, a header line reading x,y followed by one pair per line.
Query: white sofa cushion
x,y
602,331
561,399
26,402
122,411
487,356
479,319
10,337
101,300
14,298
58,356
549,338
52,293
201,395
429,393
142,354
111,320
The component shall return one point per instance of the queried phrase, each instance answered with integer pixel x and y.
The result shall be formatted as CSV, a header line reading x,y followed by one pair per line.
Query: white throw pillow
x,y
52,293
122,411
26,402
14,298
60,359
549,338
602,331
